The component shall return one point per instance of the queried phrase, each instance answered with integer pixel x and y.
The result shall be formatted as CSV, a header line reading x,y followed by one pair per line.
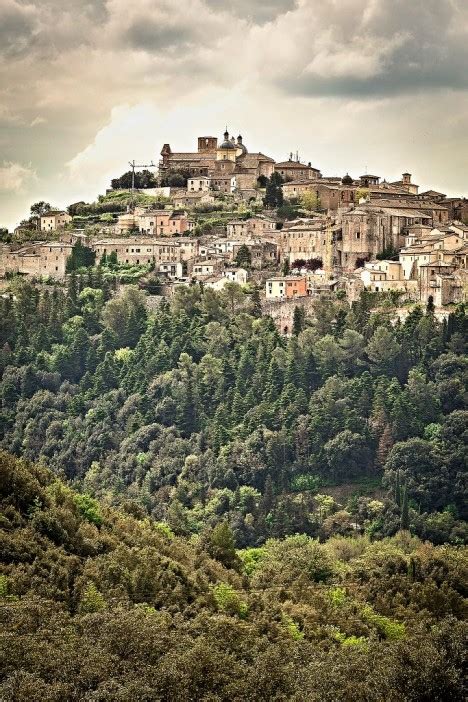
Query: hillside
x,y
100,604
201,412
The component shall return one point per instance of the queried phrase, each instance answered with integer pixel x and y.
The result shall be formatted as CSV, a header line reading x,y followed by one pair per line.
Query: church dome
x,y
240,145
347,180
227,145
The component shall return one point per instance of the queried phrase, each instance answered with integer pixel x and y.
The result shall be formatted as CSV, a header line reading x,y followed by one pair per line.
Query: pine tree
x,y
186,410
298,320
255,304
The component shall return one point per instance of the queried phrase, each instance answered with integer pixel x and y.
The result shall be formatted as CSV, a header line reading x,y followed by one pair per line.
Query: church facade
x,y
219,161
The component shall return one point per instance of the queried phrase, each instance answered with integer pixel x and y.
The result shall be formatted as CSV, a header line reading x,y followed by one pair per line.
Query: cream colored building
x,y
138,250
286,287
53,220
198,184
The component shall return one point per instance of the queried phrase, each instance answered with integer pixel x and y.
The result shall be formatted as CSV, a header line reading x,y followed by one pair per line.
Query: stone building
x,y
37,259
373,228
457,208
254,226
302,239
330,196
217,161
164,223
55,219
140,250
189,199
198,184
263,253
294,170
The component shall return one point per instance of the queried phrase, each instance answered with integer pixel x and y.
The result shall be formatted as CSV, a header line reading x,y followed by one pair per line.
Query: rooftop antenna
x,y
134,165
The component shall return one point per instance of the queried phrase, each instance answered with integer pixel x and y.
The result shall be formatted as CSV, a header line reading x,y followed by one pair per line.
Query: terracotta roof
x,y
296,164
195,156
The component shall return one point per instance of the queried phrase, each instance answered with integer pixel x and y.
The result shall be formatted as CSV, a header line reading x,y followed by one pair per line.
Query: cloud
x,y
257,12
14,177
37,121
109,80
368,47
17,24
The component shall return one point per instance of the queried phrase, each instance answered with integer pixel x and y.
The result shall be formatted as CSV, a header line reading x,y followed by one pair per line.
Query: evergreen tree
x,y
298,320
404,521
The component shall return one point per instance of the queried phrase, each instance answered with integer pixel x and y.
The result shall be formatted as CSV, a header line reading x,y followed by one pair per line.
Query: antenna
x,y
134,165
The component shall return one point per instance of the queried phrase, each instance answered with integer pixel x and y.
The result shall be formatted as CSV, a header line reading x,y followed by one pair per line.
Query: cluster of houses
x,y
354,234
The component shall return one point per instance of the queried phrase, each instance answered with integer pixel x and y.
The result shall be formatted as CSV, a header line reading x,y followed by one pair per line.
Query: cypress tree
x,y
404,521
398,489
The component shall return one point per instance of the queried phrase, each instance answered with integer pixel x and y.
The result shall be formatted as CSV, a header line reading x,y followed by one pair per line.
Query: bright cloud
x,y
14,177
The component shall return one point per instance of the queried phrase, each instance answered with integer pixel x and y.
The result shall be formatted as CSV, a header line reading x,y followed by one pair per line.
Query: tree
x,y
255,304
143,179
244,257
81,257
177,180
39,208
416,465
404,521
221,545
310,201
233,294
299,318
383,349
274,192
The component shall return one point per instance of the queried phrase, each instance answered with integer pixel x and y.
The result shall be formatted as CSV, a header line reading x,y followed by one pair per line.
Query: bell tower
x,y
207,144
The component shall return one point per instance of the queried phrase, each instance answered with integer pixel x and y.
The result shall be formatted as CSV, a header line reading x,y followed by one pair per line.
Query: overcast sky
x,y
354,85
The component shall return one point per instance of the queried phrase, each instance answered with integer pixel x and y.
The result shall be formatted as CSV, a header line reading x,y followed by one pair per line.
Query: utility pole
x,y
134,165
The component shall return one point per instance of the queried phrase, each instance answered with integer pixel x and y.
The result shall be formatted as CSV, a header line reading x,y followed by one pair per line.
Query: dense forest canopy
x,y
99,604
192,502
201,412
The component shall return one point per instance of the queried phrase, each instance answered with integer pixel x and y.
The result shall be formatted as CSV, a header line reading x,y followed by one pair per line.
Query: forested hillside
x,y
101,604
201,413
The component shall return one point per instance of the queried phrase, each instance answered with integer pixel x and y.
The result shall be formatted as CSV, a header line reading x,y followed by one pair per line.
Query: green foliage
x,y
228,600
385,622
244,257
386,627
306,482
88,508
91,600
291,628
80,257
250,558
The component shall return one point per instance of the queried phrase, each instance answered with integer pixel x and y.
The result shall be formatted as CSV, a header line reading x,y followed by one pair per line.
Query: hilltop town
x,y
226,215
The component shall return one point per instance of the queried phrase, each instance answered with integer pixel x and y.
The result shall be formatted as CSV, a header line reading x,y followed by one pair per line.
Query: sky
x,y
377,86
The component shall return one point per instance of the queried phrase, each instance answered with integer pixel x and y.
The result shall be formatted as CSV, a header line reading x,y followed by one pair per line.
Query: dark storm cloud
x,y
380,49
17,24
153,36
